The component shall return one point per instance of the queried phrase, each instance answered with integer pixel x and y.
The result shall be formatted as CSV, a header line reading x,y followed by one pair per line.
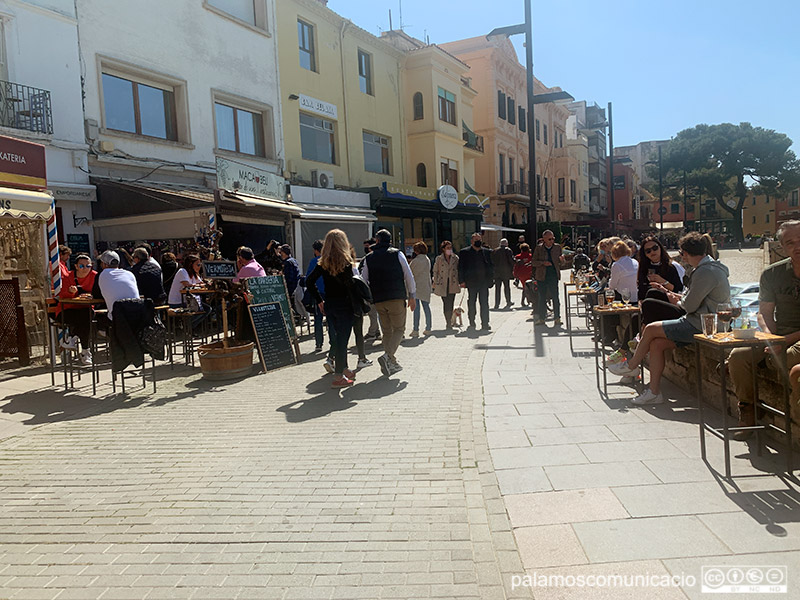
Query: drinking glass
x,y
609,295
709,321
736,311
724,316
626,295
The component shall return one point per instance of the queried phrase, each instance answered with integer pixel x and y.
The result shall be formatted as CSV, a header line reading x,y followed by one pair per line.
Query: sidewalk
x,y
604,487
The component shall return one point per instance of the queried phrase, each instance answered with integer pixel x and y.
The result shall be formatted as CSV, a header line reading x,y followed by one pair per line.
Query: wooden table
x,y
600,313
721,343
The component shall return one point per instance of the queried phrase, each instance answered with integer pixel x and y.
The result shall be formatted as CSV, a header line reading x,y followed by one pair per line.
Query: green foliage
x,y
554,226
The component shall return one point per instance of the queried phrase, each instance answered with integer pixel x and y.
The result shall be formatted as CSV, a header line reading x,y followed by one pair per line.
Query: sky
x,y
665,65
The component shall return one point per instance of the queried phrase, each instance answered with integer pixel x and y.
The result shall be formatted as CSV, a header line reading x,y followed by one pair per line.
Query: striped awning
x,y
24,204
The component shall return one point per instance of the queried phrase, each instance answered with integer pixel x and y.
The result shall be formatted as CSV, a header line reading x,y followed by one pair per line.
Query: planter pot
x,y
219,363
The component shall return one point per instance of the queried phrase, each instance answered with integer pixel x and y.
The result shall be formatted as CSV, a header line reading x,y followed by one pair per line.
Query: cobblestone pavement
x,y
745,266
272,487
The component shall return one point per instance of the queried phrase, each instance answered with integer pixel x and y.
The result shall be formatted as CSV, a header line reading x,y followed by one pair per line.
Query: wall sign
x,y
325,109
234,176
448,196
219,269
79,193
22,164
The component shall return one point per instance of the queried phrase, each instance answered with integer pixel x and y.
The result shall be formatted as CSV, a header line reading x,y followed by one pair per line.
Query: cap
x,y
108,257
504,242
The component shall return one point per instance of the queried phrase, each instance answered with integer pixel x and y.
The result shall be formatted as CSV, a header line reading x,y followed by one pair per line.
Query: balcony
x,y
25,107
472,140
515,188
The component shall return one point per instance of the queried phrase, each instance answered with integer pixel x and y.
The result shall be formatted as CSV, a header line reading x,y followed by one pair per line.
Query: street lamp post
x,y
611,186
660,194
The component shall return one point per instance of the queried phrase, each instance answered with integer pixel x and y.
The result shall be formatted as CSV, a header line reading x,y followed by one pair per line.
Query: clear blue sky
x,y
666,65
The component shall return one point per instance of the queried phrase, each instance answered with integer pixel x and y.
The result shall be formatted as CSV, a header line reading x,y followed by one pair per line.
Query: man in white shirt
x,y
114,282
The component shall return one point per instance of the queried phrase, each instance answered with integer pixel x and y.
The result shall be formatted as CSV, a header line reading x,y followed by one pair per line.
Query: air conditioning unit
x,y
322,179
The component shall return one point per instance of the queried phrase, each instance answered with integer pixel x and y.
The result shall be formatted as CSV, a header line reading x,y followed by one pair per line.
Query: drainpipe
x,y
344,102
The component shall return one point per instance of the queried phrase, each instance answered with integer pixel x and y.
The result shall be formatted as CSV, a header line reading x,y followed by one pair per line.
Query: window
x,y
523,125
449,172
546,189
502,168
305,40
418,109
766,218
365,72
317,139
501,104
239,130
537,130
522,176
139,108
447,107
422,175
512,112
795,199
754,200
562,189
573,191
754,219
510,170
544,134
376,153
538,187
249,11
675,208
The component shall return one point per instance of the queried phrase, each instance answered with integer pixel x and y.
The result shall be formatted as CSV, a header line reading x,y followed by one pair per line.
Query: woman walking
x,y
523,268
335,266
421,269
445,280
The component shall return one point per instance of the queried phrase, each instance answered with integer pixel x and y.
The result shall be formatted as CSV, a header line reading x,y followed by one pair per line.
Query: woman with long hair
x,y
656,267
335,266
445,280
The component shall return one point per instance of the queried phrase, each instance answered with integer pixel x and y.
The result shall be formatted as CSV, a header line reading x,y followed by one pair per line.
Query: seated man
x,y
709,287
778,313
148,276
247,264
114,283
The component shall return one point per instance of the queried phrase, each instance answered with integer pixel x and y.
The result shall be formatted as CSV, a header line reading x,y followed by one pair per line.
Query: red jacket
x,y
84,287
523,268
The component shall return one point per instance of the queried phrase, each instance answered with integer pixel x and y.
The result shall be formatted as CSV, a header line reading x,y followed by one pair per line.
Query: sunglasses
x,y
83,266
652,249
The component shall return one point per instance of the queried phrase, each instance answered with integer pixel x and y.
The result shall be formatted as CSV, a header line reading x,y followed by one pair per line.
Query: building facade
x,y
590,120
787,207
760,215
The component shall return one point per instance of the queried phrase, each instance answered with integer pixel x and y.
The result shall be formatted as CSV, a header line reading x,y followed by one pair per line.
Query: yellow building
x,y
759,215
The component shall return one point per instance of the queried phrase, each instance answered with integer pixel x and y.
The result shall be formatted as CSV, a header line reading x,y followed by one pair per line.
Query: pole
x,y
533,188
660,193
611,172
684,197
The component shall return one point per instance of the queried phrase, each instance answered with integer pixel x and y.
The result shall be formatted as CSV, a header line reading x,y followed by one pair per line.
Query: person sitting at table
x,y
64,253
187,277
148,276
655,266
247,264
709,288
779,314
114,283
169,266
79,282
623,271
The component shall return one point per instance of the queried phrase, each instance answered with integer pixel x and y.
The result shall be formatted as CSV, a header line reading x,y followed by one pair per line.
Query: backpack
x,y
360,296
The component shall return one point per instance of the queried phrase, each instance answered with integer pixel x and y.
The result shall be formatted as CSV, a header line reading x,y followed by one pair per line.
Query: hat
x,y
503,243
109,257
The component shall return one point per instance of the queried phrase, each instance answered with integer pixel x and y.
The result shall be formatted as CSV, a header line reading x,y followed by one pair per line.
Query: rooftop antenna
x,y
390,20
401,14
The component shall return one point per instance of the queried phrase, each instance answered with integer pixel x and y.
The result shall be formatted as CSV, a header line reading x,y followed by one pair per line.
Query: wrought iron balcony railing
x,y
514,187
25,107
471,139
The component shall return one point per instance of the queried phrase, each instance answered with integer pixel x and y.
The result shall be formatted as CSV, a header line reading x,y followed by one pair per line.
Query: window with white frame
x,y
243,127
252,12
317,139
376,153
305,42
145,108
3,53
365,72
447,106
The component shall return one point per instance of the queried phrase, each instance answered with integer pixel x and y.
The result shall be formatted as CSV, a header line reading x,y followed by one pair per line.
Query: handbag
x,y
191,303
153,338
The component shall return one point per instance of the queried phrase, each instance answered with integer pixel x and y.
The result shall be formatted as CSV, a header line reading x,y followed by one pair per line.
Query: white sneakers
x,y
648,397
622,369
363,362
86,357
328,365
70,342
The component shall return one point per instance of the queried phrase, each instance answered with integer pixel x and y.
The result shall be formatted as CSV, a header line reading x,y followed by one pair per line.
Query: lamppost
x,y
533,189
661,209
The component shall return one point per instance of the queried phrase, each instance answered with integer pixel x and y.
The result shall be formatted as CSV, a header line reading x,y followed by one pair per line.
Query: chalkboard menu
x,y
272,288
272,337
219,269
79,244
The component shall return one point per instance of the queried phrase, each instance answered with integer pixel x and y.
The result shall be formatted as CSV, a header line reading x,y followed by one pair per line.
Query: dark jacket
x,y
475,267
148,280
168,270
291,271
131,318
540,257
503,261
337,287
386,279
671,276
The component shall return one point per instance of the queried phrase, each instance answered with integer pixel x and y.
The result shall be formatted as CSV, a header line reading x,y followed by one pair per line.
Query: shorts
x,y
680,331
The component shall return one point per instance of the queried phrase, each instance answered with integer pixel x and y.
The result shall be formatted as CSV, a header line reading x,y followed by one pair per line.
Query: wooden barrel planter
x,y
219,363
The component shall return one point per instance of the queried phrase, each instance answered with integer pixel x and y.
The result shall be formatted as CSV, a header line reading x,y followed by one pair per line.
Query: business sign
x,y
619,182
22,164
234,176
75,192
448,196
325,109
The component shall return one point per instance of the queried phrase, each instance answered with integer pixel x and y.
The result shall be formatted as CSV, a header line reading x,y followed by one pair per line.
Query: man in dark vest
x,y
476,273
390,279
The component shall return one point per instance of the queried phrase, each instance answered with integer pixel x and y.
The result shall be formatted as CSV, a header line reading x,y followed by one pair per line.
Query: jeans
x,y
340,324
79,322
481,294
392,314
358,332
507,284
319,334
548,287
426,306
448,302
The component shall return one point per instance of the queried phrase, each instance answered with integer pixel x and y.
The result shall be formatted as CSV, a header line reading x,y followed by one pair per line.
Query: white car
x,y
744,288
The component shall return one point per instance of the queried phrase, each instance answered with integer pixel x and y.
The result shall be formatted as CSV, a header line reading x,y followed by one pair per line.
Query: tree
x,y
728,160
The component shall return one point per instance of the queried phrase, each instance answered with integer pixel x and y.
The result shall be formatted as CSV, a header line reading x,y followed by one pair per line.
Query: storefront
x,y
415,214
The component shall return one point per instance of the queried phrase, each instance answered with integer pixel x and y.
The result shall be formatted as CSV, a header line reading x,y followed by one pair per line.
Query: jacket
x,y
623,276
445,275
540,257
131,318
421,268
149,281
503,261
291,271
672,277
84,287
523,269
709,287
475,267
385,274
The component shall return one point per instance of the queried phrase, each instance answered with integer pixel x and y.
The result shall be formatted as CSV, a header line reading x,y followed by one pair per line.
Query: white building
x,y
169,88
40,101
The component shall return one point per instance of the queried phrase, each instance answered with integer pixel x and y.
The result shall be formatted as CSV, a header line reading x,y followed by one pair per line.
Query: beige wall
x,y
764,213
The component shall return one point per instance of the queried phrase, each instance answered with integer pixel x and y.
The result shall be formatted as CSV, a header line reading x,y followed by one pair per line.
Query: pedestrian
x,y
270,258
319,335
503,263
476,274
390,279
421,268
518,247
523,269
291,270
374,331
445,280
358,324
547,260
335,268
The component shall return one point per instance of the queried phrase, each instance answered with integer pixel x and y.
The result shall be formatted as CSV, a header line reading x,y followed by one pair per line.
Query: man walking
x,y
476,273
547,261
503,262
390,279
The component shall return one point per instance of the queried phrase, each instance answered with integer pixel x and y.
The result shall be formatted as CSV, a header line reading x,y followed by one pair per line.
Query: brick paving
x,y
272,487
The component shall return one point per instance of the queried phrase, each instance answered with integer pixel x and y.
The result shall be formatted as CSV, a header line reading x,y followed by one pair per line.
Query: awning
x,y
673,225
256,201
327,212
490,227
24,204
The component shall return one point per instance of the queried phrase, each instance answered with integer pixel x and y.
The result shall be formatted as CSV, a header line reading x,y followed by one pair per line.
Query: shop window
x,y
512,112
239,130
447,106
141,108
365,72
523,124
305,39
317,139
501,104
376,153
419,112
422,175
416,230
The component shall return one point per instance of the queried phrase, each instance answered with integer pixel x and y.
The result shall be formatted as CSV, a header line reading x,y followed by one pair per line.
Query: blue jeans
x,y
340,325
426,306
319,332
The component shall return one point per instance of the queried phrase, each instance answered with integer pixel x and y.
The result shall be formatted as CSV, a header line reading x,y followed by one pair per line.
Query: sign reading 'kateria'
x,y
22,164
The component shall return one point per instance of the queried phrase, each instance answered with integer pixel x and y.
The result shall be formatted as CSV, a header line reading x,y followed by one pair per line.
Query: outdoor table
x,y
720,343
579,294
600,313
69,378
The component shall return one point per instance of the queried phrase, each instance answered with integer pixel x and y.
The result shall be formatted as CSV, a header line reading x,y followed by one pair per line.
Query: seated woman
x,y
187,277
78,283
623,277
709,287
656,267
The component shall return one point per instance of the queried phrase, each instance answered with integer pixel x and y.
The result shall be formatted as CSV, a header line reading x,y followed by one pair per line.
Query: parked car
x,y
744,288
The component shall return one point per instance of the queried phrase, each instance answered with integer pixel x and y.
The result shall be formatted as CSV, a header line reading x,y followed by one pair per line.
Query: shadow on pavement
x,y
52,406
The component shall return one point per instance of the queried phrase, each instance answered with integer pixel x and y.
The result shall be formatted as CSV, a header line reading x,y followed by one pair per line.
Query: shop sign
x,y
78,193
234,176
448,196
22,164
325,109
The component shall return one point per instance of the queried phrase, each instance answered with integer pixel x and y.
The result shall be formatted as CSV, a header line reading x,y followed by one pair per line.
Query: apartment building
x,y
760,214
590,120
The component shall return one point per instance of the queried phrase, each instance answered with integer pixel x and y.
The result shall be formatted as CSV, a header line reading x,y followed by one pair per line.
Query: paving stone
x,y
572,506
523,480
599,475
538,456
626,451
677,499
548,546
